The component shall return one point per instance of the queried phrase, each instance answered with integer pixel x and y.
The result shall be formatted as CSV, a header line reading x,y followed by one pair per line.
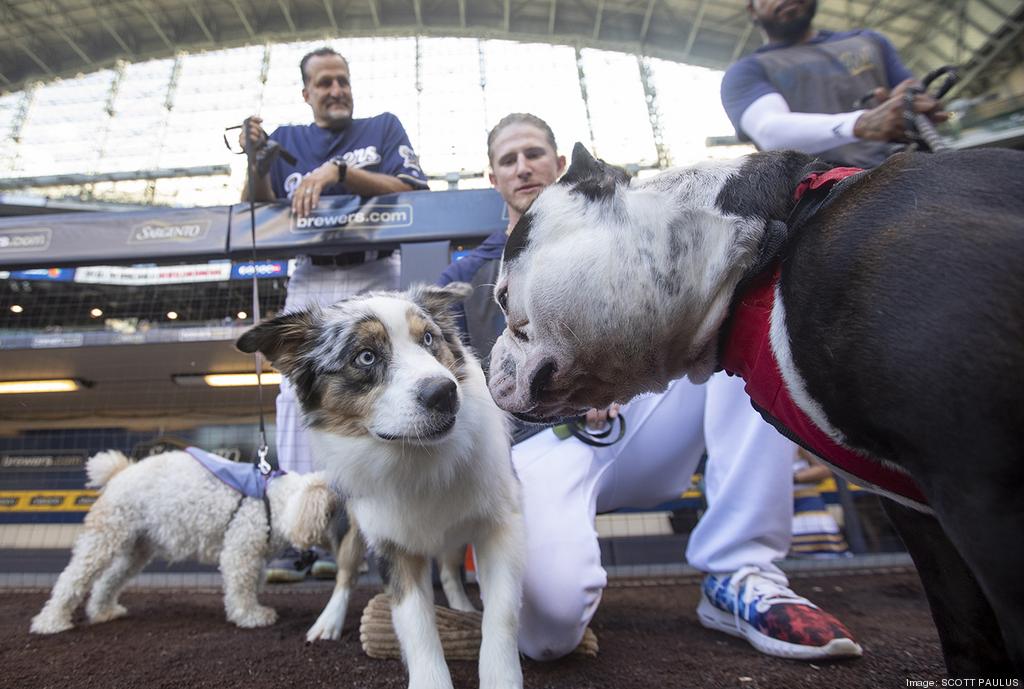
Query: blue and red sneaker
x,y
757,606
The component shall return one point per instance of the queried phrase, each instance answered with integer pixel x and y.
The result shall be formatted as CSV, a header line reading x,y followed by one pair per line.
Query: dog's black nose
x,y
439,394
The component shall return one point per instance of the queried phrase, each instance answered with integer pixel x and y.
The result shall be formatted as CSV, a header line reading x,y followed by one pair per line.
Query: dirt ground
x,y
648,633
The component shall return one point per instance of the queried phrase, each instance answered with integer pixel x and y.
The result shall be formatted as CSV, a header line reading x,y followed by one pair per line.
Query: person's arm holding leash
x,y
771,125
263,191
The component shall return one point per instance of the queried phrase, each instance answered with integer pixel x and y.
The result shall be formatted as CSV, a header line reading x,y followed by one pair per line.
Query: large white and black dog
x,y
403,425
880,325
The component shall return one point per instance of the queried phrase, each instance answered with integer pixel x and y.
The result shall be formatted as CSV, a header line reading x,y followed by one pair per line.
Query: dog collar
x,y
816,190
748,354
239,476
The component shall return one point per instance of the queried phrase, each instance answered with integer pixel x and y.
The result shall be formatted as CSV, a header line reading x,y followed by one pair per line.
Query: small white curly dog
x,y
171,506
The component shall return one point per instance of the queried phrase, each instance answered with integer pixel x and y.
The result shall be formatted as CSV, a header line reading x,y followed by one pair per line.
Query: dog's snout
x,y
540,379
440,395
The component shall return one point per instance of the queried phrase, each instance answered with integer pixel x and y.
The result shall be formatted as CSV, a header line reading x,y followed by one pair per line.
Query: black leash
x,y
259,157
252,167
919,122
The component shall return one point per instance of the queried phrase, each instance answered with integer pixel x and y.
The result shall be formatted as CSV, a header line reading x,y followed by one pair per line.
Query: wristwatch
x,y
342,166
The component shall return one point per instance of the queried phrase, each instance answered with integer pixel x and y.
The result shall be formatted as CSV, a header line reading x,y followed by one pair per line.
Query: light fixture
x,y
96,313
16,308
226,380
23,387
242,315
173,315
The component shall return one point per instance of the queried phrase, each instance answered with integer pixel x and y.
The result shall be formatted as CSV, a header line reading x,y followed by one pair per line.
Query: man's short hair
x,y
520,118
319,52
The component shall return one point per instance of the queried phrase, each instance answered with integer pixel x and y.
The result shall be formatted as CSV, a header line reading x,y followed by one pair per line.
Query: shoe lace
x,y
749,585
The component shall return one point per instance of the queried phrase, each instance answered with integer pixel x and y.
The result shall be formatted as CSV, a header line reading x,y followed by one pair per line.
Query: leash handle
x,y
577,427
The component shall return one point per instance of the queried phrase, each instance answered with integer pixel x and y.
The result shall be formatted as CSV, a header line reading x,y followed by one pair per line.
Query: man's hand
x,y
597,419
886,123
256,133
307,195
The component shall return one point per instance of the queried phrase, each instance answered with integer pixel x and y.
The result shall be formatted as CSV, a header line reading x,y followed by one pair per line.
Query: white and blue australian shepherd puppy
x,y
403,426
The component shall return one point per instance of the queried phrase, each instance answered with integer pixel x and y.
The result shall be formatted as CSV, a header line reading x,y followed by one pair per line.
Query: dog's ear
x,y
591,177
438,301
281,339
764,185
308,512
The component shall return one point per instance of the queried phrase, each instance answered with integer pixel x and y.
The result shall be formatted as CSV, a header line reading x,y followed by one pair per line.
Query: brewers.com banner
x,y
347,223
168,235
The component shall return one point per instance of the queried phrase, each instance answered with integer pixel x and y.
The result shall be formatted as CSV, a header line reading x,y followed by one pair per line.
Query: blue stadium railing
x,y
422,224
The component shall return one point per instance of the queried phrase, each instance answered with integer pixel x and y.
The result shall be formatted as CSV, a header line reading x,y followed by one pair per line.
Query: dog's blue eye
x,y
428,339
366,358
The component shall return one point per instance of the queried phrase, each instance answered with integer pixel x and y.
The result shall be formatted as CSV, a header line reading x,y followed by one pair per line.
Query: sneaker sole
x,y
281,576
719,620
324,571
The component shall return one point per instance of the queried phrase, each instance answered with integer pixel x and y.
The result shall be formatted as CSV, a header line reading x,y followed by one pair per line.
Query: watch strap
x,y
342,166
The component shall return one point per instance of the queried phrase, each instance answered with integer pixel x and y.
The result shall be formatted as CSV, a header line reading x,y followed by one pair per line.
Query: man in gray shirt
x,y
798,91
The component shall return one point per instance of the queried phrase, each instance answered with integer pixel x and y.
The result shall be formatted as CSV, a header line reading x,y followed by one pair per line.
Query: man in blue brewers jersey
x,y
800,90
336,154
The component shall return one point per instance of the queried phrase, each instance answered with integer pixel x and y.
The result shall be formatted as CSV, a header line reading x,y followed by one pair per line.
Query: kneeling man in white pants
x,y
749,478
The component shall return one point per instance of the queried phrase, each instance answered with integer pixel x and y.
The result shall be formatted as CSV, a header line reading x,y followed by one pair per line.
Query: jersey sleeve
x,y
743,84
398,157
895,70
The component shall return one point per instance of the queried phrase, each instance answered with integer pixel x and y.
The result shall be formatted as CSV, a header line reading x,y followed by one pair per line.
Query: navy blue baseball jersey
x,y
377,144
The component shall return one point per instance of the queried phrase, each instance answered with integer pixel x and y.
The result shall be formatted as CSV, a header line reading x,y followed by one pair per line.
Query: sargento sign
x,y
156,232
36,239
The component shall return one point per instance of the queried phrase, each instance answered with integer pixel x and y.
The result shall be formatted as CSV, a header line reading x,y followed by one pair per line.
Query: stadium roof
x,y
48,39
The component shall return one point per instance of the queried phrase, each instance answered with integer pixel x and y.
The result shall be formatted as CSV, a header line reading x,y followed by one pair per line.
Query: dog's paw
x,y
106,614
45,623
260,616
325,630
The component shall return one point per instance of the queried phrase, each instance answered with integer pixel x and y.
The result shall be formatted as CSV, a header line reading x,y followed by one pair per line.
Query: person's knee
x,y
555,614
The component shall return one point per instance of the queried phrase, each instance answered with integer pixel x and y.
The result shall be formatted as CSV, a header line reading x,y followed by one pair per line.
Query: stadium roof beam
x,y
126,176
109,28
35,58
145,29
696,27
245,20
329,10
74,46
995,46
286,11
646,25
198,16
154,23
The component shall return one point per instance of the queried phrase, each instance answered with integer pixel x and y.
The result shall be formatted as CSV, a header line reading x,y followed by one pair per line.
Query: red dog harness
x,y
748,354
